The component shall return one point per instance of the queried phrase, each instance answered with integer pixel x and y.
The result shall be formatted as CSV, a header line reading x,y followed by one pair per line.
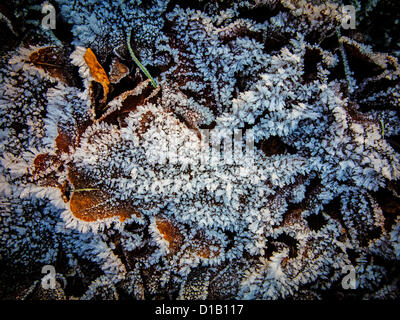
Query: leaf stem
x,y
142,67
85,189
383,128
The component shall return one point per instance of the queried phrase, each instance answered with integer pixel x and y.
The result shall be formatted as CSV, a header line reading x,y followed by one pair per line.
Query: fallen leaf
x,y
97,72
117,70
170,233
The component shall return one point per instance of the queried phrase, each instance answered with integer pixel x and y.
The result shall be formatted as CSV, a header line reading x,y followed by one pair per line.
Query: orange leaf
x,y
89,203
97,72
171,233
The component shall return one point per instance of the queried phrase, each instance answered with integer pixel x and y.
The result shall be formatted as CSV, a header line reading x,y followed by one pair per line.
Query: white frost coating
x,y
264,229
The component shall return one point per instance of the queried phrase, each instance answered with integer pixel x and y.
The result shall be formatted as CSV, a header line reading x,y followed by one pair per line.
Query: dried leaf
x,y
54,61
90,203
97,72
117,71
170,233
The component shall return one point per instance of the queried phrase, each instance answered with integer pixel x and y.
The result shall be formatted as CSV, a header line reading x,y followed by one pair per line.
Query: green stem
x,y
383,128
142,67
85,189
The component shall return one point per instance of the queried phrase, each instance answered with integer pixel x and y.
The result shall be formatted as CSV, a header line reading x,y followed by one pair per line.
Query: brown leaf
x,y
40,171
201,246
170,233
129,101
54,61
117,70
89,202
